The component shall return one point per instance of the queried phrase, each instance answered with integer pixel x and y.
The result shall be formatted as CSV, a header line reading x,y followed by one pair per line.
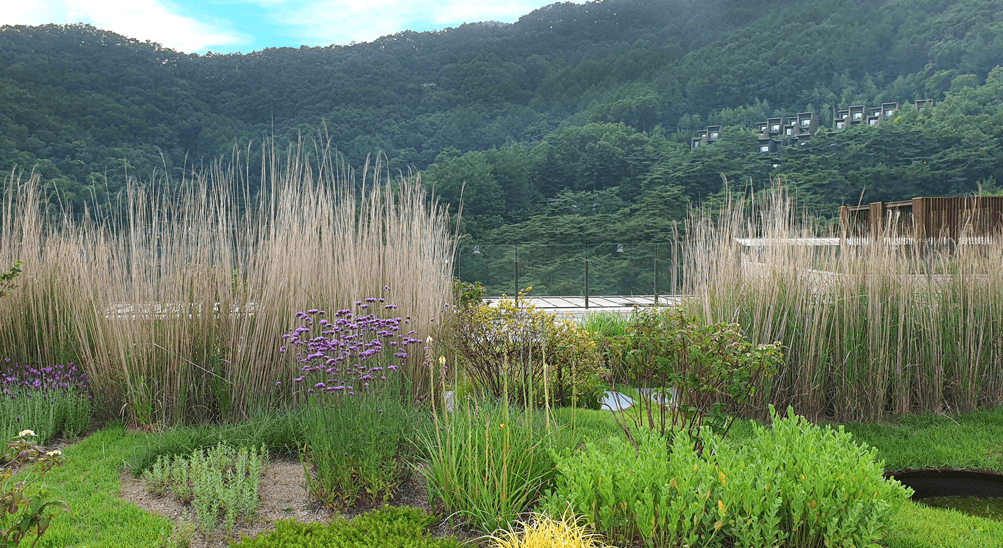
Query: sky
x,y
228,26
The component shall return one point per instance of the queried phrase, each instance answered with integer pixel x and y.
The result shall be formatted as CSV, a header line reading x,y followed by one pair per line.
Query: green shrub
x,y
794,484
712,369
467,294
605,328
488,463
388,527
529,352
359,445
223,480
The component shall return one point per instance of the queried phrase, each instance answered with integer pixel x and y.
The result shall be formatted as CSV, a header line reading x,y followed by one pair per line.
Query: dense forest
x,y
570,128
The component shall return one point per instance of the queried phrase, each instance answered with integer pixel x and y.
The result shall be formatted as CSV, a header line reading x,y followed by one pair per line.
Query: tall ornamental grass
x,y
175,306
870,327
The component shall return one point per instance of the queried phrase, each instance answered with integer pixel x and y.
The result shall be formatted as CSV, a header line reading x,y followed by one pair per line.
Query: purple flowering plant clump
x,y
25,380
350,351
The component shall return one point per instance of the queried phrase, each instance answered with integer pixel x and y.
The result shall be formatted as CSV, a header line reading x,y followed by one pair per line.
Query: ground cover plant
x,y
388,527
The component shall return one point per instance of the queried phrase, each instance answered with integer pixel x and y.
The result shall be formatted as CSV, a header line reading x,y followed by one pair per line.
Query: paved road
x,y
574,307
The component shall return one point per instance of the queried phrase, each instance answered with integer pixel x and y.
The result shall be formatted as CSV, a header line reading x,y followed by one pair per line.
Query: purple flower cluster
x,y
17,379
350,352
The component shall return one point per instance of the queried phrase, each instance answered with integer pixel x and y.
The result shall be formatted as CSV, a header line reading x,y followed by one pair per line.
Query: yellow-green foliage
x,y
528,352
542,531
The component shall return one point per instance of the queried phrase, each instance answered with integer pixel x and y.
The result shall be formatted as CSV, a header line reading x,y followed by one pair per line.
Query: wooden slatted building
x,y
925,219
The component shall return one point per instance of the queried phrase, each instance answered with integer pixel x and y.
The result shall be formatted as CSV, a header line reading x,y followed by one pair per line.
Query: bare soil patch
x,y
283,495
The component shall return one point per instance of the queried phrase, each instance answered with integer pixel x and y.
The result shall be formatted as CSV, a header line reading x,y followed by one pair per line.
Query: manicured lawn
x,y
89,482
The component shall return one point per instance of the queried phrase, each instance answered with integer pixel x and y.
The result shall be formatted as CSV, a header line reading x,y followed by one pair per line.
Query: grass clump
x,y
359,446
872,326
174,306
388,527
488,463
278,432
542,531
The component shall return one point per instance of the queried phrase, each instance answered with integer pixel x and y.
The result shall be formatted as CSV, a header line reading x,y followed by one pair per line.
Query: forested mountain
x,y
575,119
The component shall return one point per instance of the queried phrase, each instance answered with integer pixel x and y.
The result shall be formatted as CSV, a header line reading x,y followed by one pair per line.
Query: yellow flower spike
x,y
442,361
720,508
724,480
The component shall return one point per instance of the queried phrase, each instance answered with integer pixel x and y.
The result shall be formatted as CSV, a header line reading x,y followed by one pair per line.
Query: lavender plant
x,y
357,416
54,400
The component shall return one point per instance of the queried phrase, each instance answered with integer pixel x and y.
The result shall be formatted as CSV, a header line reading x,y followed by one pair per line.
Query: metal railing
x,y
571,269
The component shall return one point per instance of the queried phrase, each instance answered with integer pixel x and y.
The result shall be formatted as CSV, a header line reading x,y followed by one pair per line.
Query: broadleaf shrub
x,y
712,370
24,508
792,485
529,352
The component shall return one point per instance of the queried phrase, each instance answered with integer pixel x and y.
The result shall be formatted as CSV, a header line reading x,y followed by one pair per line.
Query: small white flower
x,y
55,453
26,433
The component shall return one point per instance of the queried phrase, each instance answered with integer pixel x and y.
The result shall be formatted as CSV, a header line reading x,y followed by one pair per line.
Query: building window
x,y
764,148
790,131
775,128
858,115
840,125
713,135
873,122
889,112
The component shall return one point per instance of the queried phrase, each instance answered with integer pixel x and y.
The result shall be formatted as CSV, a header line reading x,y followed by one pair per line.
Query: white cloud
x,y
140,19
324,22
